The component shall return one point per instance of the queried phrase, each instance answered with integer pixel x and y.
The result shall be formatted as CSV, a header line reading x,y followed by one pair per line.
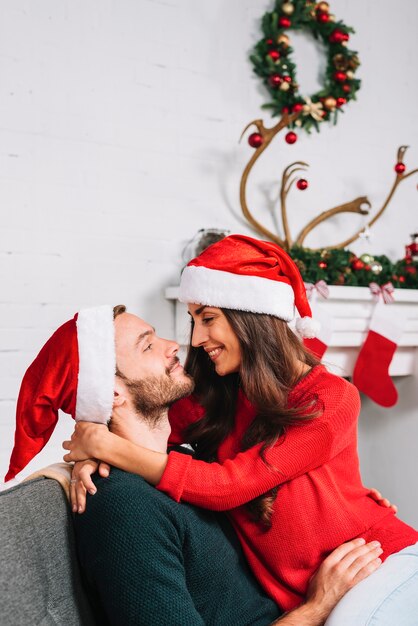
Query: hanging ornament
x,y
323,6
297,107
340,62
411,250
338,36
367,258
284,22
274,55
323,18
291,137
357,265
288,8
340,77
322,265
275,80
255,140
285,86
283,40
341,102
376,267
400,168
303,184
330,103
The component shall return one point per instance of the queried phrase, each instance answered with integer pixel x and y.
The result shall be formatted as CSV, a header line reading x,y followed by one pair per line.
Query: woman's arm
x,y
91,440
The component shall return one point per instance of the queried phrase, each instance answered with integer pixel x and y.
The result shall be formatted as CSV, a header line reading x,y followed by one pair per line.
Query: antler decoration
x,y
359,205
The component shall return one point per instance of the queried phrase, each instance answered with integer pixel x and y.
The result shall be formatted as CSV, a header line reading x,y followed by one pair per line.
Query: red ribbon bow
x,y
321,287
386,291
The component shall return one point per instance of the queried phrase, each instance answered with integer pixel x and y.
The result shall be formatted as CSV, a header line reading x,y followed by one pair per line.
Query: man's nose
x,y
172,347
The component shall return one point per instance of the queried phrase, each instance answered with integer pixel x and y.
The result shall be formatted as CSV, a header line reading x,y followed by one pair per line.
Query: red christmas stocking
x,y
319,344
371,371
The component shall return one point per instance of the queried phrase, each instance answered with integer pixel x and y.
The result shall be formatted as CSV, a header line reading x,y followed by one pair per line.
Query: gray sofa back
x,y
40,583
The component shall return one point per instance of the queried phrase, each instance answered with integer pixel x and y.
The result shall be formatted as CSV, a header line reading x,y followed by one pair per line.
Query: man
x,y
149,560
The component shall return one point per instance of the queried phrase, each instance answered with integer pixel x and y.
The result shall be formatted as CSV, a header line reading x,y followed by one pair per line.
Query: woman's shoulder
x,y
330,389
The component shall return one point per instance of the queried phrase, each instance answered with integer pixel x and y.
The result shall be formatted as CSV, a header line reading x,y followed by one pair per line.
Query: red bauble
x,y
341,101
297,107
291,137
346,88
401,279
323,18
322,265
255,140
269,42
357,265
273,54
340,77
275,80
285,110
400,168
337,36
411,270
302,184
287,79
284,22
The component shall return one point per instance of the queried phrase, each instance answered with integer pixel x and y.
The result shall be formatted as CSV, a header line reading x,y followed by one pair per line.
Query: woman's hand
x,y
87,441
346,566
81,482
377,497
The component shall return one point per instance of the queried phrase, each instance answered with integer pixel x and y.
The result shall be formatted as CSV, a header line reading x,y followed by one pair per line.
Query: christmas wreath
x,y
273,62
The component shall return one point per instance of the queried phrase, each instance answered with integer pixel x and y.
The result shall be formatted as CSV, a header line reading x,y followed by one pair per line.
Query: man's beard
x,y
152,396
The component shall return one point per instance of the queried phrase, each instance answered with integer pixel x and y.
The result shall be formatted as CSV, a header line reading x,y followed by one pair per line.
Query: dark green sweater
x,y
155,562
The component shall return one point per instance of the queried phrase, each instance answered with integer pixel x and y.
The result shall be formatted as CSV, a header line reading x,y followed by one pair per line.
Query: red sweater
x,y
321,501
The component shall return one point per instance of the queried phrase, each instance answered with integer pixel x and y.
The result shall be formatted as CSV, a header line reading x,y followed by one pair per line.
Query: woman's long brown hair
x,y
270,367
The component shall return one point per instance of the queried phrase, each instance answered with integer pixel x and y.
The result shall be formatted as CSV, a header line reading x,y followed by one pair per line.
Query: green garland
x,y
342,267
273,63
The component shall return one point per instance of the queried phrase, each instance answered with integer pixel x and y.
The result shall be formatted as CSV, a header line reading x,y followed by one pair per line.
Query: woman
x,y
274,433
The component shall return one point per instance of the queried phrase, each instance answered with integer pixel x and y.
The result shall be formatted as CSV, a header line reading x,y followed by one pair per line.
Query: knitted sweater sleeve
x,y
304,447
181,414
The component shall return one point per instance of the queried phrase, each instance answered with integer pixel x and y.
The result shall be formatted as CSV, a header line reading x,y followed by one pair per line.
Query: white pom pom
x,y
307,327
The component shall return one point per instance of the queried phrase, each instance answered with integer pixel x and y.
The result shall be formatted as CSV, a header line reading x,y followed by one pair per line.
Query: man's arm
x,y
346,566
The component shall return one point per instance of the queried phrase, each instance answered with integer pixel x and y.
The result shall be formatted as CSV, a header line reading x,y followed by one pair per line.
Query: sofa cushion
x,y
40,580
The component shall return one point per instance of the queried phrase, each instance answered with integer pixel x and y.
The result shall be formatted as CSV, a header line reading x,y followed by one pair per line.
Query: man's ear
x,y
119,393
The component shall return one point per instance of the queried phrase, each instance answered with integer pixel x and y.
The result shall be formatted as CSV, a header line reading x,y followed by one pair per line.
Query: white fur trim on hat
x,y
307,327
97,364
200,285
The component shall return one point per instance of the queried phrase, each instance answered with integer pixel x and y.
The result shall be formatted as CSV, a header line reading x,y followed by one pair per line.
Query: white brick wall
x,y
119,123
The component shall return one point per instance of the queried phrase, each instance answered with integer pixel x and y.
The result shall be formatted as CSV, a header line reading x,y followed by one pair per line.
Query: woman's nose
x,y
198,335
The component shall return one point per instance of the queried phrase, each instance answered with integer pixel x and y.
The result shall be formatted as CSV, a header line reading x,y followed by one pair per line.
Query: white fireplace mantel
x,y
350,309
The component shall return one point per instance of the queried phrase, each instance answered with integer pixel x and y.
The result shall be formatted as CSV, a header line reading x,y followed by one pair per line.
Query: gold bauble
x,y
323,7
330,103
376,267
288,8
340,62
331,17
283,40
350,74
367,258
284,86
354,62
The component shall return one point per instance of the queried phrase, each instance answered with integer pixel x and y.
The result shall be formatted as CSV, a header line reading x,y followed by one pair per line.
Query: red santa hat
x,y
74,372
243,273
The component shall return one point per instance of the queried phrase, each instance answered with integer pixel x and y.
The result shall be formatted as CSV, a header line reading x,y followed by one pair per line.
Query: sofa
x,y
40,580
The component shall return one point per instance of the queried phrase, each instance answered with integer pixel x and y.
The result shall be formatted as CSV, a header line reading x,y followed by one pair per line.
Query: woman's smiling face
x,y
213,333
